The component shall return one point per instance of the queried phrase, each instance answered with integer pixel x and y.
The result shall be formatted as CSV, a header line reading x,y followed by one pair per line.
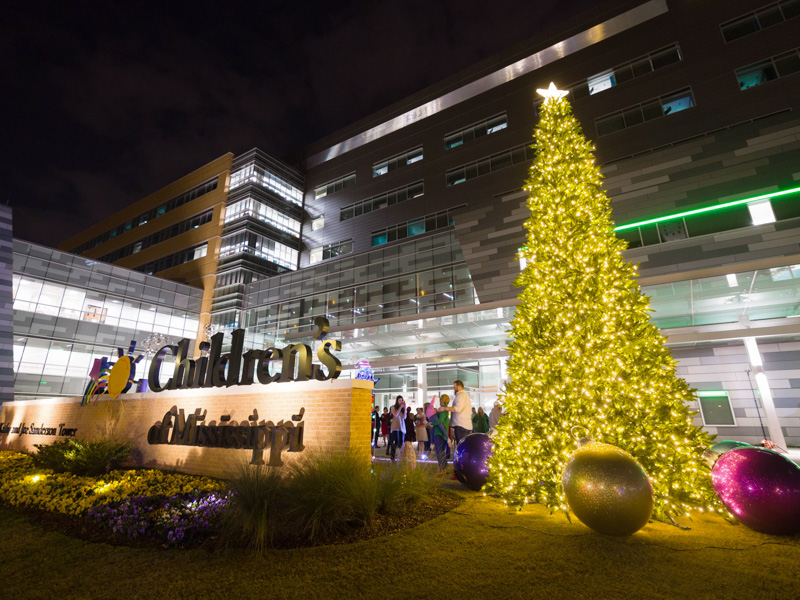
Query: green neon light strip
x,y
706,209
712,394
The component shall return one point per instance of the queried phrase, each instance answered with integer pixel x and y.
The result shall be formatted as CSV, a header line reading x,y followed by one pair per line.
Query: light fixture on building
x,y
761,212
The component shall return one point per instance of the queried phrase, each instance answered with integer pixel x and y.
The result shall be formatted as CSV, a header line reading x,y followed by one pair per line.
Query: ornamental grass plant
x,y
332,493
318,498
255,511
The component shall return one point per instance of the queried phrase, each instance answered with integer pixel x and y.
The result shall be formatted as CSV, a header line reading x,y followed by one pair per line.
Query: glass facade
x,y
404,279
68,311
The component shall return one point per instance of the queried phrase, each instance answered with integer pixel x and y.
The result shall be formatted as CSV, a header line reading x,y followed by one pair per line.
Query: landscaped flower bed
x,y
316,501
181,519
22,484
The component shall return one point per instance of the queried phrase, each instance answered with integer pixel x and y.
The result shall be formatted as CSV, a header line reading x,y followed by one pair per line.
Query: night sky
x,y
105,103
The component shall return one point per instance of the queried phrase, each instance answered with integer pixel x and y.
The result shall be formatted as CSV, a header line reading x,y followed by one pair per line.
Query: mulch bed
x,y
384,524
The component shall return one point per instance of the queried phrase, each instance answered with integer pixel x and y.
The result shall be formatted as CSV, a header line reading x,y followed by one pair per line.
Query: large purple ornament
x,y
469,461
761,488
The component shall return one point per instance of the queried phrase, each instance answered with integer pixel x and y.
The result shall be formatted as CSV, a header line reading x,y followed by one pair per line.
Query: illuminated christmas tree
x,y
585,358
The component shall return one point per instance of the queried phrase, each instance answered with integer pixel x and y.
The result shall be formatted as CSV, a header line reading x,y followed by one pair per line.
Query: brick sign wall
x,y
217,429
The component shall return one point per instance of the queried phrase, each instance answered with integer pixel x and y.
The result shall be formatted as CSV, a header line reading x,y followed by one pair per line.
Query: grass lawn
x,y
479,550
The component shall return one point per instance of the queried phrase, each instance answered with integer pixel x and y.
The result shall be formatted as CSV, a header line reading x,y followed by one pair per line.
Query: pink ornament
x,y
761,488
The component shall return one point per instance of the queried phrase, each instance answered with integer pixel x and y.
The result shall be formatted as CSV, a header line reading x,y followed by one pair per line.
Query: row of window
x,y
627,71
262,177
158,237
415,254
489,126
335,186
401,160
331,251
609,78
485,166
769,69
753,213
435,289
646,111
413,190
248,242
173,260
764,17
250,207
413,227
151,214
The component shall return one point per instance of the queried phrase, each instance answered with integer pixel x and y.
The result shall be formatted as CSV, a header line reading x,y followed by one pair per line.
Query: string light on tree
x,y
583,351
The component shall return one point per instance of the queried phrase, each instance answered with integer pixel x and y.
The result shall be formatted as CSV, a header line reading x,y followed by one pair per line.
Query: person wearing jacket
x,y
481,421
440,423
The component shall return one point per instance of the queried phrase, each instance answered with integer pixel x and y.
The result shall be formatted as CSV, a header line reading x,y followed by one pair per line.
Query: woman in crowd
x,y
411,426
481,422
440,423
398,427
423,445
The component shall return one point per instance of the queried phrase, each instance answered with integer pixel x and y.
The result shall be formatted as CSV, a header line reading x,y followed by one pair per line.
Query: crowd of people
x,y
431,427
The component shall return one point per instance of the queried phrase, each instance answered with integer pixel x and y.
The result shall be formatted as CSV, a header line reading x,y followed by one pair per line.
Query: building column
x,y
422,383
767,402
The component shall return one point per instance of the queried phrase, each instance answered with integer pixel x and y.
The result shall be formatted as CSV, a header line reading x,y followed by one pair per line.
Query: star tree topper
x,y
552,92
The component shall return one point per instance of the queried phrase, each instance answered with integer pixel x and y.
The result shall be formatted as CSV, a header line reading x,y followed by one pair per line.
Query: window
x,y
95,313
715,408
514,156
200,251
765,17
756,74
401,160
335,186
603,81
647,111
318,223
330,251
487,127
413,227
767,70
414,190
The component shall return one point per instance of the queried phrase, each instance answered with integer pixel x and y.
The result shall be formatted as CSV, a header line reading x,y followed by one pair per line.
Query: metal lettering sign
x,y
294,362
244,368
175,429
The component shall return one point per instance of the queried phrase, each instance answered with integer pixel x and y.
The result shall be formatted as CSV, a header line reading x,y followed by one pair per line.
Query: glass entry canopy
x,y
772,293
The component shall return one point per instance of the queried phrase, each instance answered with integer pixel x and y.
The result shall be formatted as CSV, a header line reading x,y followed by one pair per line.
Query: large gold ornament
x,y
607,489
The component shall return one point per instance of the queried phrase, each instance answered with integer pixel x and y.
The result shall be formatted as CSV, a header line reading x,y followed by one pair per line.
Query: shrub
x,y
98,457
82,458
56,456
